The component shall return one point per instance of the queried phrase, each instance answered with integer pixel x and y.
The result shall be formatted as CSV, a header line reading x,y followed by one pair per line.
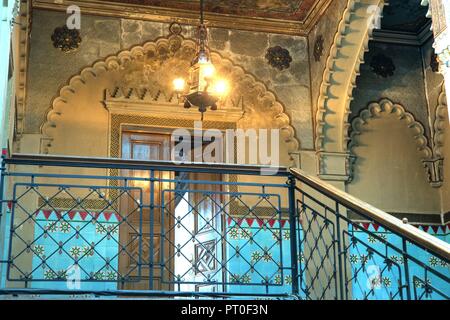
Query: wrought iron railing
x,y
76,226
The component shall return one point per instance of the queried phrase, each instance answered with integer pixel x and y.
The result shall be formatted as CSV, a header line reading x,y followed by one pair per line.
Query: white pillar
x,y
439,12
8,10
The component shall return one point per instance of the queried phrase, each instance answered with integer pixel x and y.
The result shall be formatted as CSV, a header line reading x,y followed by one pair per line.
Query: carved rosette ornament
x,y
278,58
382,65
434,63
65,39
318,48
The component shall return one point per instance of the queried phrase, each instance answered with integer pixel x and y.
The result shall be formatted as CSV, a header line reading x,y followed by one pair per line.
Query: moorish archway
x,y
145,73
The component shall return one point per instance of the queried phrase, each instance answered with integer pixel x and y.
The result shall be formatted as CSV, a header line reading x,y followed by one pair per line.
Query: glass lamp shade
x,y
204,88
201,76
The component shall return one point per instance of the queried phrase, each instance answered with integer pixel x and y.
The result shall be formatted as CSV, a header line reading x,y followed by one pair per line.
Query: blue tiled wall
x,y
77,235
389,277
255,257
262,254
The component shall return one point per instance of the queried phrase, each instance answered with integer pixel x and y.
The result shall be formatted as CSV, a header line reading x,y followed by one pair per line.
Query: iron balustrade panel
x,y
77,243
423,289
66,235
373,274
345,254
116,233
213,241
318,250
428,275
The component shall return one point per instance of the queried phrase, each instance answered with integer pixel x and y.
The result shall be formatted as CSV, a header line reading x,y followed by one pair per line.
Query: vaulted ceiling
x,y
404,16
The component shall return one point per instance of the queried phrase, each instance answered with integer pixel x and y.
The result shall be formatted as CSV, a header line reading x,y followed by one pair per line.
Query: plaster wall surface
x,y
405,87
388,172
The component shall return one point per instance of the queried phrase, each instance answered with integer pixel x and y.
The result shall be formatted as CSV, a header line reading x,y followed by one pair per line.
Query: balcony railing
x,y
113,227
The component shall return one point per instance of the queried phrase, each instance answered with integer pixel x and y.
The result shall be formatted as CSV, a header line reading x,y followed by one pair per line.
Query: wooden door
x,y
209,221
144,146
208,225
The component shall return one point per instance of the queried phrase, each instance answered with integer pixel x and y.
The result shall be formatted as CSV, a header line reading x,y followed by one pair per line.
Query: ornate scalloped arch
x,y
350,43
165,48
374,110
440,122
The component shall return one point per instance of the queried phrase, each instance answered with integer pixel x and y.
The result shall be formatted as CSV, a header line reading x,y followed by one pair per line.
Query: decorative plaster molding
x,y
166,15
342,67
142,102
440,122
335,166
252,94
374,110
435,166
21,85
432,164
404,38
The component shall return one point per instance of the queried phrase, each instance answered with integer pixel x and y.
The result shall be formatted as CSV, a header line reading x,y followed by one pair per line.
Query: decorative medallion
x,y
434,62
318,48
175,28
278,58
67,40
382,65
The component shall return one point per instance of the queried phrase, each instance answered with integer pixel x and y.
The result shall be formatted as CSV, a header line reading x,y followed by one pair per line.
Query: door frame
x,y
145,129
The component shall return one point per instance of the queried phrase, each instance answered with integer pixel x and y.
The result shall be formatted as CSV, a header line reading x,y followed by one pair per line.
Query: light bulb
x,y
178,84
208,70
221,87
203,59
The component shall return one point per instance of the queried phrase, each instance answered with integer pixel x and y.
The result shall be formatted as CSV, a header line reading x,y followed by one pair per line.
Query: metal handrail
x,y
132,164
392,223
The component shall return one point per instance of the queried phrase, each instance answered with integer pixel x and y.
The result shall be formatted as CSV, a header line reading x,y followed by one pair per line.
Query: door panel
x,y
205,223
209,222
144,146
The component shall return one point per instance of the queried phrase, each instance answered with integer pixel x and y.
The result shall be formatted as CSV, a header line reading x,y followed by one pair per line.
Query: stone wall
x,y
406,86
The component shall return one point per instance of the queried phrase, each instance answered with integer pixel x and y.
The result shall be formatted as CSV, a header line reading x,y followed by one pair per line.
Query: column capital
x,y
435,171
335,166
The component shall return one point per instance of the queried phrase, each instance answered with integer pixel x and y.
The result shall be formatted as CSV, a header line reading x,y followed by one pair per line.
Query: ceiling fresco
x,y
293,10
404,15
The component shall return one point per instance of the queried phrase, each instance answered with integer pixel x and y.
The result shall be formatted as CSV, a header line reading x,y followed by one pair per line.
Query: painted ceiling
x,y
404,15
293,10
